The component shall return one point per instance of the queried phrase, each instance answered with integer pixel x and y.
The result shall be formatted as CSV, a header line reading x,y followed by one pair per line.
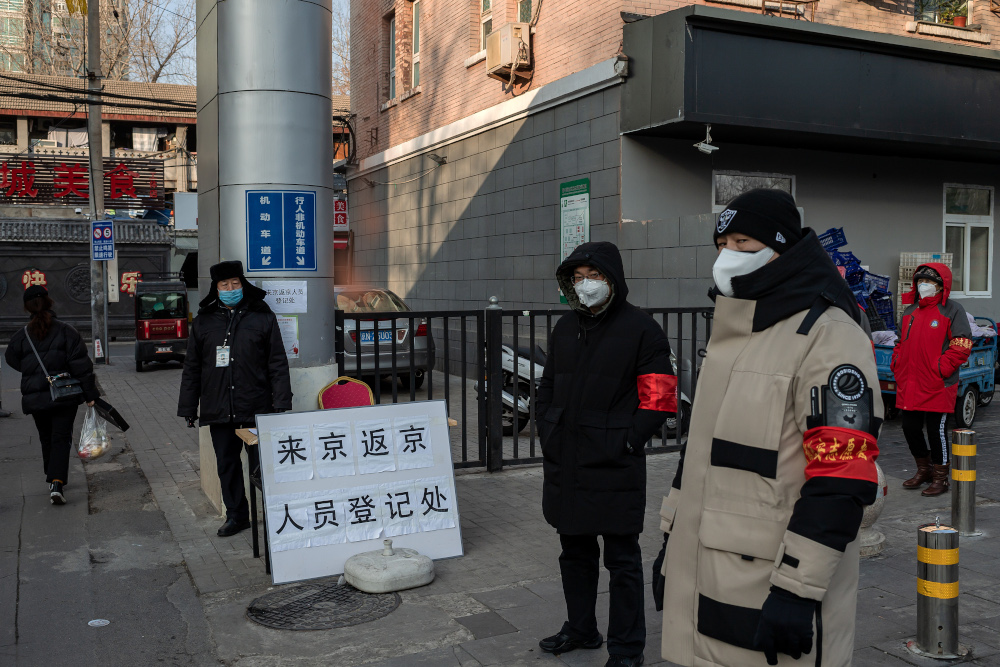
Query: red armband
x,y
840,452
657,392
961,343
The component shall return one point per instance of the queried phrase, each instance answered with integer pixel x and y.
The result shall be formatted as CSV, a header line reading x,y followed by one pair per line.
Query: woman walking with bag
x,y
56,377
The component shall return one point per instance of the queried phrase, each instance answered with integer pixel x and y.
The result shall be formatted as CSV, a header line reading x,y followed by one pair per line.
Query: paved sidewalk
x,y
493,605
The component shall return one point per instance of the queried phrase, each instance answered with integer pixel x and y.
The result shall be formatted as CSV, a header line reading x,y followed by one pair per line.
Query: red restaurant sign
x,y
64,180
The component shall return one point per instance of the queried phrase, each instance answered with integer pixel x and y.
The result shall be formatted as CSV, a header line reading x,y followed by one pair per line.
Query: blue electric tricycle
x,y
975,378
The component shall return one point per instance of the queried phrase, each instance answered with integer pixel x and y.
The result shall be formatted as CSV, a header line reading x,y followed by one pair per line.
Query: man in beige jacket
x,y
761,556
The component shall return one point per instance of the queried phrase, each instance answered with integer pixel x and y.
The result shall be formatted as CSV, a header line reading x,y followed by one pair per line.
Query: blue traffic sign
x,y
102,240
281,230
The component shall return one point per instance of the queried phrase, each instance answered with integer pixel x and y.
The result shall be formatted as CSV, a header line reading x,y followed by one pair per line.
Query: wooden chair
x,y
345,392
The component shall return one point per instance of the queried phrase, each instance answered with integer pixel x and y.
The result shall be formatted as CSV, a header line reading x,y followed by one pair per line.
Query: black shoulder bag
x,y
62,386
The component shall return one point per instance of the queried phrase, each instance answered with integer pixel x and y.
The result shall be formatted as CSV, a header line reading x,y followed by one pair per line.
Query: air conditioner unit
x,y
507,47
45,143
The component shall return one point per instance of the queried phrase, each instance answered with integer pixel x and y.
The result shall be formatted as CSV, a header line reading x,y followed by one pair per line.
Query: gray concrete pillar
x,y
266,155
22,134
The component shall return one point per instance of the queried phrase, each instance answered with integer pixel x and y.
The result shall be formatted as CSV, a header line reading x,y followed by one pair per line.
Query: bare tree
x,y
143,40
161,40
341,48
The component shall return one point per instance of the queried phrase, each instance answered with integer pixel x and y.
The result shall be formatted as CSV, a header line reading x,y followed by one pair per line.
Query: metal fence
x,y
459,357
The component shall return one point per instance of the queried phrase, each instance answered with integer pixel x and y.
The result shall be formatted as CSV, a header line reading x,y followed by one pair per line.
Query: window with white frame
x,y
486,21
11,5
524,11
11,31
416,45
728,185
968,236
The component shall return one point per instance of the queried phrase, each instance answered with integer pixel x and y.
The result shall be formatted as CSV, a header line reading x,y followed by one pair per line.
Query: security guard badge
x,y
848,400
222,356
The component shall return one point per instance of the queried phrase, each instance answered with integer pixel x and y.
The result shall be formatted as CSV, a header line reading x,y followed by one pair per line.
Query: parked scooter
x,y
516,395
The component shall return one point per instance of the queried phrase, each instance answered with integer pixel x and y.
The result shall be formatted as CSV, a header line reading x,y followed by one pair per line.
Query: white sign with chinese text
x,y
288,326
286,296
338,482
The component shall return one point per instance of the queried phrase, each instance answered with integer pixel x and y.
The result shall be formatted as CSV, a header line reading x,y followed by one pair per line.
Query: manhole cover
x,y
320,607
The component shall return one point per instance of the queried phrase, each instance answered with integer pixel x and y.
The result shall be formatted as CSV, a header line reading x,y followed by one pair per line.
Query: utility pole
x,y
98,304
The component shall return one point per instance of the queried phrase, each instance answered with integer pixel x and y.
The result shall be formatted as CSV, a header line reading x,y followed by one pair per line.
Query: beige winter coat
x,y
727,523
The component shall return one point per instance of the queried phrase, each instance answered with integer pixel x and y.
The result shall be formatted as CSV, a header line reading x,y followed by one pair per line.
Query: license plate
x,y
384,336
161,350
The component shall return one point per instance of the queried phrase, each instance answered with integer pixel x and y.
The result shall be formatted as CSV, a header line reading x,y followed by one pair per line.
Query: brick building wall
x,y
571,35
487,222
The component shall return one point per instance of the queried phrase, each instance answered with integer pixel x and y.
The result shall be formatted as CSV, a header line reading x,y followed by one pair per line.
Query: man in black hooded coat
x,y
607,387
236,366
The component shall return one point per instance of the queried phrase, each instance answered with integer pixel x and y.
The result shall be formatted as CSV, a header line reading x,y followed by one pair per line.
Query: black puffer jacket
x,y
607,386
62,351
256,380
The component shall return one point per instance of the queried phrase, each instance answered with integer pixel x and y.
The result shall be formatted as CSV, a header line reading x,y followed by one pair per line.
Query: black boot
x,y
233,526
563,643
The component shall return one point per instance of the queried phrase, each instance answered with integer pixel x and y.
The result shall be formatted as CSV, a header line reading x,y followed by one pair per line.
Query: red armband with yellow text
x,y
657,392
840,452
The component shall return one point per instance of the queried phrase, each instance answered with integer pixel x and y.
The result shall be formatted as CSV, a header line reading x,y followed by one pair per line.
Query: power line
x,y
84,100
103,93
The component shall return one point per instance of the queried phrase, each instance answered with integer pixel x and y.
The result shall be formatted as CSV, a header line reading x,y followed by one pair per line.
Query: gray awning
x,y
775,81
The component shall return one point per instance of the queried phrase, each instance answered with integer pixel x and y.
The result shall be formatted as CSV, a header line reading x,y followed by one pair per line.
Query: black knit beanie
x,y
764,214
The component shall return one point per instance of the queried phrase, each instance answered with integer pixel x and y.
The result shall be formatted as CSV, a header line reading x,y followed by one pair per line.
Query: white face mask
x,y
592,292
733,263
926,290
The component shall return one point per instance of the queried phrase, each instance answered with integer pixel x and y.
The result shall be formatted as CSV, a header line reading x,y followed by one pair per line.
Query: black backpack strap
x,y
822,302
818,308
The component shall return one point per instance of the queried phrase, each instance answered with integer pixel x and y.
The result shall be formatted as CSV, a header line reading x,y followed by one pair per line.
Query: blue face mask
x,y
232,297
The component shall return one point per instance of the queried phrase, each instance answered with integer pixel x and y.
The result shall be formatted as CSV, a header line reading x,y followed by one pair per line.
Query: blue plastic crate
x,y
833,238
875,282
882,303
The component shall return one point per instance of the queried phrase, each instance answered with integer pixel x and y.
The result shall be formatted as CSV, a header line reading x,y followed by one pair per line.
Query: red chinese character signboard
x,y
129,281
122,182
33,277
340,221
72,179
65,181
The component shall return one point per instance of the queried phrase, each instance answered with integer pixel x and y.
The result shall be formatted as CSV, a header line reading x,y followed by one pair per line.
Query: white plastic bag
x,y
94,441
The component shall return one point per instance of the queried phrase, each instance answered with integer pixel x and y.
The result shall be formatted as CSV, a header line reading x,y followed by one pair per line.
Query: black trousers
x,y
55,431
228,447
580,565
938,425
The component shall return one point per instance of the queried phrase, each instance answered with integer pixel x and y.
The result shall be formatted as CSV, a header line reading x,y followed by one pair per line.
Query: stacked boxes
x,y
870,289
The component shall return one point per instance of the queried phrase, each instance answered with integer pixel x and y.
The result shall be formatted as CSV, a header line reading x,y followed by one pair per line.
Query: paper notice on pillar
x,y
413,446
293,454
400,508
286,296
287,521
333,447
289,328
374,446
437,503
327,521
364,516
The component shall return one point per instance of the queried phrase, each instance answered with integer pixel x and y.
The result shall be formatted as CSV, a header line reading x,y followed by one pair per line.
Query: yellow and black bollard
x,y
937,593
963,482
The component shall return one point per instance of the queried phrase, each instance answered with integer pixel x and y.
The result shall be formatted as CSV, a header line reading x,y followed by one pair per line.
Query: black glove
x,y
786,625
192,422
659,581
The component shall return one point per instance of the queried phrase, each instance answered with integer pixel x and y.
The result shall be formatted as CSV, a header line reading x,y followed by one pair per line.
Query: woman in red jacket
x,y
935,340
